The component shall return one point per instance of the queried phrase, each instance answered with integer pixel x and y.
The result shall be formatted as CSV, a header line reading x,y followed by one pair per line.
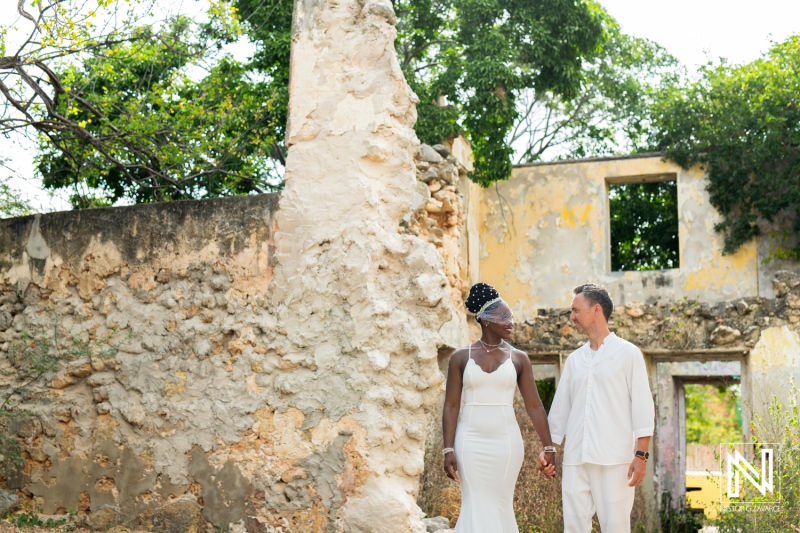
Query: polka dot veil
x,y
497,312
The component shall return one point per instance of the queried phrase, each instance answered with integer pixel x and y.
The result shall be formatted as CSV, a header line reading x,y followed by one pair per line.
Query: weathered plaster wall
x,y
774,366
179,289
547,230
772,241
360,302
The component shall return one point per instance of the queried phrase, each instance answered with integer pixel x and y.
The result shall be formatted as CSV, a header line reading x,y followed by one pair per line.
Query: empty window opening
x,y
644,224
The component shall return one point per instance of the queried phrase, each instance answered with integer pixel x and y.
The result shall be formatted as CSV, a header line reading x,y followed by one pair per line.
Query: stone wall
x,y
361,302
439,214
682,326
176,295
257,361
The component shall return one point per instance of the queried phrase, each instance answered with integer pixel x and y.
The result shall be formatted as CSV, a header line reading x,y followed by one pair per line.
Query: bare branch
x,y
21,11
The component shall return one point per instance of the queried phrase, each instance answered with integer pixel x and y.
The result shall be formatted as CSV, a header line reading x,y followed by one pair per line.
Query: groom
x,y
604,408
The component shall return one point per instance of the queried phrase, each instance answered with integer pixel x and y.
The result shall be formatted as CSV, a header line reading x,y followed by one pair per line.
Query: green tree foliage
x,y
644,225
741,124
468,61
155,112
268,23
713,413
524,76
11,204
164,136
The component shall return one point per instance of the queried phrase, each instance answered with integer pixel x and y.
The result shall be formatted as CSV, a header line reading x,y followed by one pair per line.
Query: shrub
x,y
783,427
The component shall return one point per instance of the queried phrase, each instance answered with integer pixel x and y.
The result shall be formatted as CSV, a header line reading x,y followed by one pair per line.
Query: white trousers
x,y
590,488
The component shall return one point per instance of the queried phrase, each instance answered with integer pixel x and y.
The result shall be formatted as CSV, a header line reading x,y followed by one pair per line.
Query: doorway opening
x,y
701,404
712,416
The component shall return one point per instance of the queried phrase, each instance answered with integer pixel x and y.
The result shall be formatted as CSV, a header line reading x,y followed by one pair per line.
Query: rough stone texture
x,y
442,150
8,502
436,523
360,303
103,518
429,154
180,516
180,290
681,326
439,217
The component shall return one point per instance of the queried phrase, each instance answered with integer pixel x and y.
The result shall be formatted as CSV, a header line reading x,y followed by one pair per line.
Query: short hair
x,y
596,294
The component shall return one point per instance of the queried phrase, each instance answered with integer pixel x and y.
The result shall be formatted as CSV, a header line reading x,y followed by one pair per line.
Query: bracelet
x,y
548,449
448,450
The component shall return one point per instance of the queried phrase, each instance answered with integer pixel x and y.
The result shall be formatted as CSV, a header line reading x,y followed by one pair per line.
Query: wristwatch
x,y
643,455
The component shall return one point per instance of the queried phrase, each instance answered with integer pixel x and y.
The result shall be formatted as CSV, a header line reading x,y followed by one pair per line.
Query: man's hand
x,y
451,466
636,471
547,464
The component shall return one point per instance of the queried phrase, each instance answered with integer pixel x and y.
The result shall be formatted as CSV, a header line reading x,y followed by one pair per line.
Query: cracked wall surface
x,y
361,303
169,304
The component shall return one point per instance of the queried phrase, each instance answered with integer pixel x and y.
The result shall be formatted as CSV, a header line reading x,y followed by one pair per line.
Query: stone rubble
x,y
686,325
436,524
9,502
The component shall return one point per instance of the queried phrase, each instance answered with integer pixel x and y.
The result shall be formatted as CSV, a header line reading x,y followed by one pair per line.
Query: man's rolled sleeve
x,y
643,410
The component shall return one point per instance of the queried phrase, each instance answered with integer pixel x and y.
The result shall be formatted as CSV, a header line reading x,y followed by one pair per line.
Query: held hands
x,y
547,464
636,471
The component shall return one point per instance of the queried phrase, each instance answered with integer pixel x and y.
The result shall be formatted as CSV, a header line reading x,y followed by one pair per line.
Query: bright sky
x,y
692,30
696,30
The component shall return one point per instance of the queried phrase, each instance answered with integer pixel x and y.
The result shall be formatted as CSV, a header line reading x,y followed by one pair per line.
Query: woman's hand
x,y
547,464
451,466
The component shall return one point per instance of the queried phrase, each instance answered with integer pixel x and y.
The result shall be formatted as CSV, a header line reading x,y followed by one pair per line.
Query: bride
x,y
483,448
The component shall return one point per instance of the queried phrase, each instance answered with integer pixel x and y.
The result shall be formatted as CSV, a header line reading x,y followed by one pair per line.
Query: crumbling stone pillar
x,y
359,303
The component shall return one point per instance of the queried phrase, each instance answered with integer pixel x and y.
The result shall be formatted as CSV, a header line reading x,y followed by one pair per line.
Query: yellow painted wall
x,y
547,230
706,498
774,368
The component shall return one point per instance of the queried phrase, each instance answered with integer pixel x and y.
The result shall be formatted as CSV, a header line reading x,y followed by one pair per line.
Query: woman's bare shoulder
x,y
519,355
460,355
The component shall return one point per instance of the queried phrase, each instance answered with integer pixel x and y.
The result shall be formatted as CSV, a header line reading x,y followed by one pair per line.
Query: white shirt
x,y
602,404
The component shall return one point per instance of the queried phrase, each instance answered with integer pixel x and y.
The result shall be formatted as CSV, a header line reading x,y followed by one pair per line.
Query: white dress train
x,y
489,449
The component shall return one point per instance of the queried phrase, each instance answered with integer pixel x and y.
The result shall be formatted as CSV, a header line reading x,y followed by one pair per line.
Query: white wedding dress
x,y
489,449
